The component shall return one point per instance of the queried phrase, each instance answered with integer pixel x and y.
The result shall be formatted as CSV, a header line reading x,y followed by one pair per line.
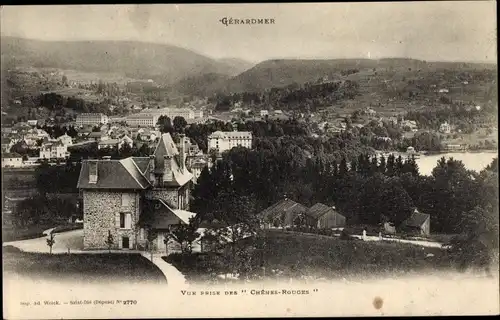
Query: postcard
x,y
249,160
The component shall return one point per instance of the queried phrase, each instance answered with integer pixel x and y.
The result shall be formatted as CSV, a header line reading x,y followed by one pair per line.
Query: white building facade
x,y
91,119
222,141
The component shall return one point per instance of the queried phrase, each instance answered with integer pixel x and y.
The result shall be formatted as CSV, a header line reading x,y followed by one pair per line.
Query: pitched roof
x,y
109,142
113,174
97,134
11,155
162,216
417,219
319,210
142,163
167,147
281,207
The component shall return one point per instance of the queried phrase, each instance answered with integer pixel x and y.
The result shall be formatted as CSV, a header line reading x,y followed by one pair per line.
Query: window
x,y
122,220
125,220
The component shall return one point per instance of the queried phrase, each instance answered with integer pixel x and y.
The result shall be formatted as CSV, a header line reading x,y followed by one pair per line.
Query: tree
x,y
51,241
179,124
184,234
109,241
152,236
480,226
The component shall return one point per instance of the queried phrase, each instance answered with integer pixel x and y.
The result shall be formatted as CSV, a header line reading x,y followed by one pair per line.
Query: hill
x,y
161,62
281,73
201,85
238,65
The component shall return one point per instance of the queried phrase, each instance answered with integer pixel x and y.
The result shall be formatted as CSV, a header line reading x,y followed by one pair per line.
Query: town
x,y
285,169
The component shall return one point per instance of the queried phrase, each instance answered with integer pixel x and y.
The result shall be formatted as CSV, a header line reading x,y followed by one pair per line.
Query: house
x,y
370,112
109,144
417,223
66,140
12,160
264,113
98,136
7,143
32,123
445,127
196,166
85,131
324,217
127,140
128,197
54,150
281,214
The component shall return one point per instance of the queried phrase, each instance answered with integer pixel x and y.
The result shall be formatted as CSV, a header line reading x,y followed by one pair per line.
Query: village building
x,y
126,198
324,217
185,113
92,119
445,127
65,140
418,223
98,136
264,113
7,143
12,160
54,150
222,141
196,167
282,214
142,120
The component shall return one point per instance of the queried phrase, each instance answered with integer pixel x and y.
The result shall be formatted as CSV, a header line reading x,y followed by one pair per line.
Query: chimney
x,y
93,171
167,172
152,177
182,152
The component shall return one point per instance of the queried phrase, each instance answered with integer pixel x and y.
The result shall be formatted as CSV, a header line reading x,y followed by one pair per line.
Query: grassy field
x,y
35,231
86,268
303,256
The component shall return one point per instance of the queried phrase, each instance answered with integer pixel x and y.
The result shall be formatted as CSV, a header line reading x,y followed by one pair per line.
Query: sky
x,y
434,31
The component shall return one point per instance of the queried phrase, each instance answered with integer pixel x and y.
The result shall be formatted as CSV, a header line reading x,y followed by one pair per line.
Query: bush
x,y
345,235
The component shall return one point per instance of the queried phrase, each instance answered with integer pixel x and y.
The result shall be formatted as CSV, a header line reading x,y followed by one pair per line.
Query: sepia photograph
x,y
249,160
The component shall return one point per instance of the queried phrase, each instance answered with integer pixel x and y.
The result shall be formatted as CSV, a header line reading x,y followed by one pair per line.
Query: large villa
x,y
130,197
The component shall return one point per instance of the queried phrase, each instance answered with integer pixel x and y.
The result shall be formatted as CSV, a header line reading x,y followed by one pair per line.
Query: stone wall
x,y
101,211
170,195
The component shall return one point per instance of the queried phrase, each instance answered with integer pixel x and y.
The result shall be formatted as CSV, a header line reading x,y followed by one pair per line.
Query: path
x,y
423,243
74,241
174,277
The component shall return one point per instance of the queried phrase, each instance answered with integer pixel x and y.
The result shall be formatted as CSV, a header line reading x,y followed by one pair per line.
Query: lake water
x,y
476,161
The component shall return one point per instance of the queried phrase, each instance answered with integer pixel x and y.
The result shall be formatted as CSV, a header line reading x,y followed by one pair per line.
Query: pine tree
x,y
382,165
343,167
374,165
398,167
391,162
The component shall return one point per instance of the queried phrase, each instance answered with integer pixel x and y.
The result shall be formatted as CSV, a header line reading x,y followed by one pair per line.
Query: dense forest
x,y
367,191
308,96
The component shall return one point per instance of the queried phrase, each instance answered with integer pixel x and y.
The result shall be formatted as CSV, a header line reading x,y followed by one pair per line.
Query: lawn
x,y
82,268
315,256
35,231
